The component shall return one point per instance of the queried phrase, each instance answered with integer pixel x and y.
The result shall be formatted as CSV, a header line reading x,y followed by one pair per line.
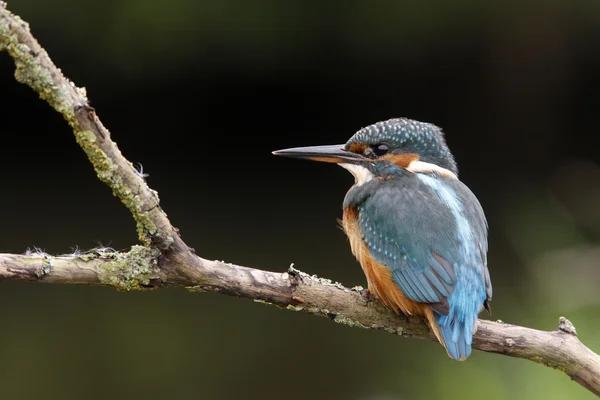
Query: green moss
x,y
132,270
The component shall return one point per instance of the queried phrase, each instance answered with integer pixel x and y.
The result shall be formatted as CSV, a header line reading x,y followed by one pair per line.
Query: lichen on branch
x,y
134,270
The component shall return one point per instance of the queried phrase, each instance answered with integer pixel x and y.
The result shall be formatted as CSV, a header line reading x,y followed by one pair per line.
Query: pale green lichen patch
x,y
108,173
46,267
394,330
342,319
544,361
196,289
30,68
132,270
323,281
268,303
292,307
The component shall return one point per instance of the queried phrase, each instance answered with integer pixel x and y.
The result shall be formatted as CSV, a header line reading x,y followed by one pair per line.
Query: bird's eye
x,y
380,149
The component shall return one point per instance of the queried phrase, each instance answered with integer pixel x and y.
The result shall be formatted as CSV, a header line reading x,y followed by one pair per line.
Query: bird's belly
x,y
379,277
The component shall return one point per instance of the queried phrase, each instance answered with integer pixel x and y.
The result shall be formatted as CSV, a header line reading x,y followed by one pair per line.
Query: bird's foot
x,y
367,295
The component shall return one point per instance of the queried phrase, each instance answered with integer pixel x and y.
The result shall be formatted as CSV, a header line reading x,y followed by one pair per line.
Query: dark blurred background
x,y
200,93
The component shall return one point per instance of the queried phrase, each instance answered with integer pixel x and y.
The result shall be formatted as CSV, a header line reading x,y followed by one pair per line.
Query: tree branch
x,y
164,259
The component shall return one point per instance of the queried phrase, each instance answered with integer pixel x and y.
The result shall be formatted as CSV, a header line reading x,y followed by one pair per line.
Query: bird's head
x,y
382,148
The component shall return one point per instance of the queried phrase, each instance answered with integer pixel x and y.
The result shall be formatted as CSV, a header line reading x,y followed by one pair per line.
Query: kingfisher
x,y
418,232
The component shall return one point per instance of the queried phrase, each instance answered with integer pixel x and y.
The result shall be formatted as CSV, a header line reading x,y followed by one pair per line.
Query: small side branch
x,y
136,269
35,69
46,268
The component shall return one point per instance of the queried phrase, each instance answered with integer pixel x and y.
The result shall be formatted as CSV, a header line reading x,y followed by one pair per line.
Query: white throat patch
x,y
361,174
427,168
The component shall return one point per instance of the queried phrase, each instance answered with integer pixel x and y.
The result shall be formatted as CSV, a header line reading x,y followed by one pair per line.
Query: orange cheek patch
x,y
357,147
401,160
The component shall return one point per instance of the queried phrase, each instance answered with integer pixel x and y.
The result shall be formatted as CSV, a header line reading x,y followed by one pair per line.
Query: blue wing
x,y
432,234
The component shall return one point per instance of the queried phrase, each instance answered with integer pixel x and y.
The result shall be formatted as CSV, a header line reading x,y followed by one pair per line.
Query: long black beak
x,y
331,154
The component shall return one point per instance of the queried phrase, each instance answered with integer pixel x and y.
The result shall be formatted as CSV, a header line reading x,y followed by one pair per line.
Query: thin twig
x,y
165,259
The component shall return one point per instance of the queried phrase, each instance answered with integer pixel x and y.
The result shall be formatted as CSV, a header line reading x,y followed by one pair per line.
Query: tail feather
x,y
466,301
457,335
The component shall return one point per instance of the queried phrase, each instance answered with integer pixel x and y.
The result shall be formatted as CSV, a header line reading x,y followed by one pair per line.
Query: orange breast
x,y
379,277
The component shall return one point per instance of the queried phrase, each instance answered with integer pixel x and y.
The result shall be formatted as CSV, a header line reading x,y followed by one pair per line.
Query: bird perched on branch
x,y
418,232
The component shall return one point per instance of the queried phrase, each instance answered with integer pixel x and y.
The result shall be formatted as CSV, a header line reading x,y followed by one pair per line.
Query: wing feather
x,y
414,233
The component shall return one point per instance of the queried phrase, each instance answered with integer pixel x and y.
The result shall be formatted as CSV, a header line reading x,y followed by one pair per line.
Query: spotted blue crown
x,y
408,136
